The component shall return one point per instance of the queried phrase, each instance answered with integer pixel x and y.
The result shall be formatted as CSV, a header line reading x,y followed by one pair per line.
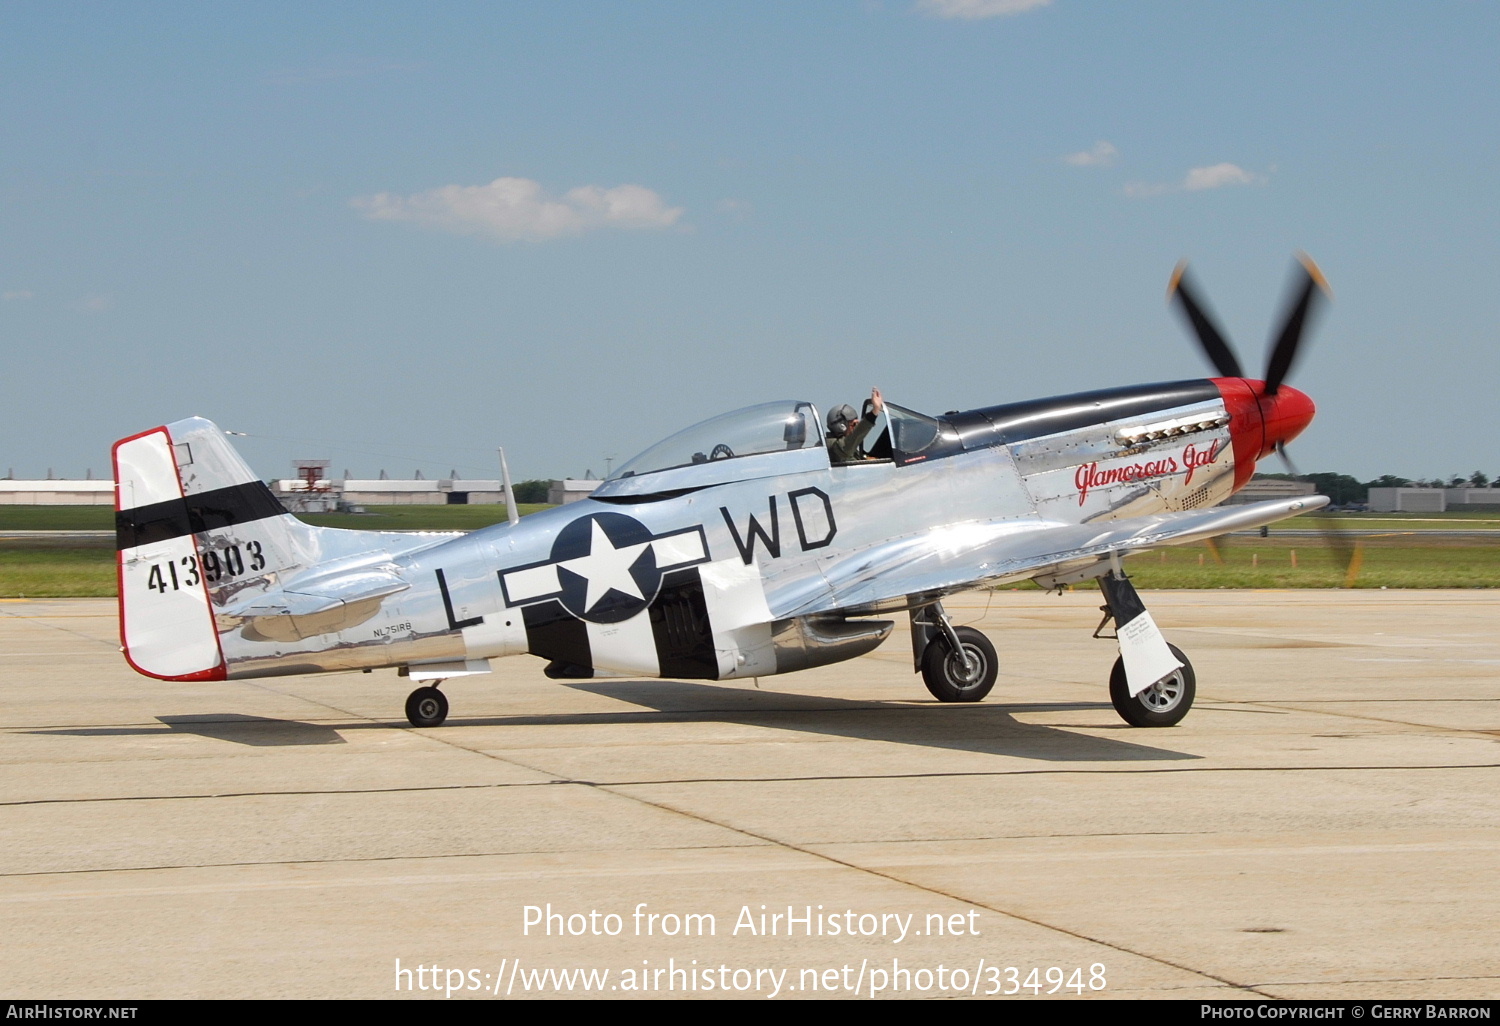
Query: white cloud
x,y
1219,175
1102,155
514,209
16,295
974,10
1199,178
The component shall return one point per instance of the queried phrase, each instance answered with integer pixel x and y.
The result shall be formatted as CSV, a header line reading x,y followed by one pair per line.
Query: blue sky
x,y
397,235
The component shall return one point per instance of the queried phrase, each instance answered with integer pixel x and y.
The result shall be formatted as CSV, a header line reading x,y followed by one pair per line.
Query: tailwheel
x,y
1163,703
954,677
426,707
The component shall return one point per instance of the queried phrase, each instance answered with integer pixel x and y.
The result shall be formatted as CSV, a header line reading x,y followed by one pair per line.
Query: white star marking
x,y
606,568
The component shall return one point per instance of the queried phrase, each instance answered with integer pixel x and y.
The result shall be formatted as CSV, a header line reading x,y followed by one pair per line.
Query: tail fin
x,y
194,528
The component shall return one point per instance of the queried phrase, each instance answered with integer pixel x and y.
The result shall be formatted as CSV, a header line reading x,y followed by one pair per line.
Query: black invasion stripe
x,y
556,634
680,624
222,507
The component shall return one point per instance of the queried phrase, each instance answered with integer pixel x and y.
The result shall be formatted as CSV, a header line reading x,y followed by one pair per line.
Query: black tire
x,y
426,707
943,669
1160,705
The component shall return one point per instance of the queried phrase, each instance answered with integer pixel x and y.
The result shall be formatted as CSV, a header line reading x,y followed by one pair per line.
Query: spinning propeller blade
x,y
1207,333
1339,541
1294,322
1280,416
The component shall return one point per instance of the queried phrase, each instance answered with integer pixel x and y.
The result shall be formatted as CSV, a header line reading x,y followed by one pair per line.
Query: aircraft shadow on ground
x,y
988,728
258,731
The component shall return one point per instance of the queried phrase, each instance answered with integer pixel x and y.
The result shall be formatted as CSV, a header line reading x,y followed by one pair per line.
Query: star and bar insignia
x,y
605,567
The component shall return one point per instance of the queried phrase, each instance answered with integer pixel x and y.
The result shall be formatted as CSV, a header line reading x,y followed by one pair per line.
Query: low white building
x,y
357,492
57,493
1408,500
1473,499
1260,489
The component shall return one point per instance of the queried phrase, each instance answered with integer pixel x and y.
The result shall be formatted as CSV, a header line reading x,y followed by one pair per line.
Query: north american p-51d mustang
x,y
737,548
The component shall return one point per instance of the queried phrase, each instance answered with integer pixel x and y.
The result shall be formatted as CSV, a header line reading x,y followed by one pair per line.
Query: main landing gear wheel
x,y
426,707
946,676
1162,704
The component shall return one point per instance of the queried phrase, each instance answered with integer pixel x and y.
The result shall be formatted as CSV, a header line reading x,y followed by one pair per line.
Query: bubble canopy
x,y
755,430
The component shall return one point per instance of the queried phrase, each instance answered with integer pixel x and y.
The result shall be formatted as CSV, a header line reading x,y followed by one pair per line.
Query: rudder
x,y
194,528
166,622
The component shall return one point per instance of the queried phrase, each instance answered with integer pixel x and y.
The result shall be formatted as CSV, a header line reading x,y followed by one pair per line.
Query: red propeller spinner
x,y
1260,423
1264,415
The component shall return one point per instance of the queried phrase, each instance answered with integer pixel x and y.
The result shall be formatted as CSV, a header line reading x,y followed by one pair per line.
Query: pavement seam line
x,y
352,860
947,894
821,856
611,789
113,643
733,780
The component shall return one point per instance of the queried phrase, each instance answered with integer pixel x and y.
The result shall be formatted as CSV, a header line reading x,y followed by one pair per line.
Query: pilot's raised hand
x,y
876,403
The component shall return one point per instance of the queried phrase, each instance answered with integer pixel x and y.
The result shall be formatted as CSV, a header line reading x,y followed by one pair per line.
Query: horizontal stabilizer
x,y
323,606
301,598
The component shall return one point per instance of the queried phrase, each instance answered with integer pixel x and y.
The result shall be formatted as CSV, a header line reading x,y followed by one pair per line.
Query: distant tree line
x,y
531,491
1343,489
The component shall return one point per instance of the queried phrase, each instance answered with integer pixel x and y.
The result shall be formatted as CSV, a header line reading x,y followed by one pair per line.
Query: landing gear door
x,y
1144,651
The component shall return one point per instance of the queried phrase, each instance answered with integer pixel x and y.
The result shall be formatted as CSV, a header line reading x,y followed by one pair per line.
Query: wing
x,y
934,563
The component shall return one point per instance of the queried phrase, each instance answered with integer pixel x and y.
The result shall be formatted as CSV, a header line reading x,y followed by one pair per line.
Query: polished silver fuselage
x,y
754,565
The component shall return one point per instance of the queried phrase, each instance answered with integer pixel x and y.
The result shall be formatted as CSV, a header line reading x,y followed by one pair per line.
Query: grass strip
x,y
1405,558
1407,561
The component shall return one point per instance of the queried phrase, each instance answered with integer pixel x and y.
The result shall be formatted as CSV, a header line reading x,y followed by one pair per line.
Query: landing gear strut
x,y
1145,656
427,707
958,663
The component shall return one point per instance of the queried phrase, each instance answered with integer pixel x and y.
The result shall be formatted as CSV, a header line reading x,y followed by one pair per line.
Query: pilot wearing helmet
x,y
845,433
